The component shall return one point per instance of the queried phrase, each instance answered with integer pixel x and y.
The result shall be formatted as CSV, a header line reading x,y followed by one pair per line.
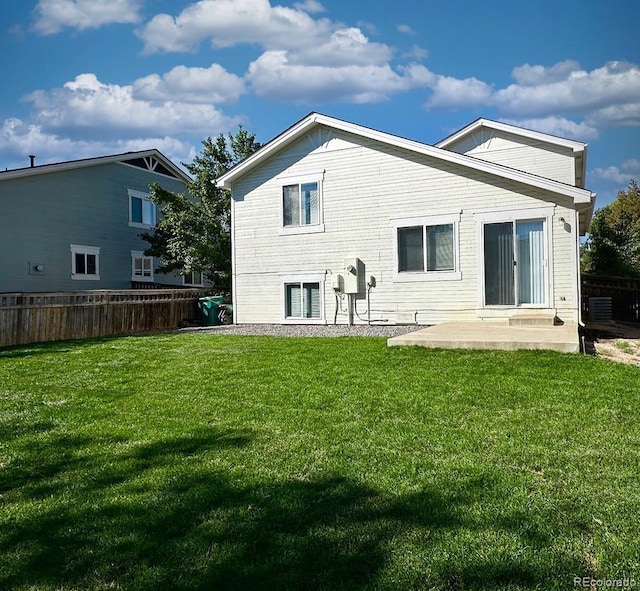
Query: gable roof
x,y
152,160
297,130
579,149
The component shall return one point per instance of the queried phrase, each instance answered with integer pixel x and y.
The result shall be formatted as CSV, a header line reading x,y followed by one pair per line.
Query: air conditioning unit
x,y
600,309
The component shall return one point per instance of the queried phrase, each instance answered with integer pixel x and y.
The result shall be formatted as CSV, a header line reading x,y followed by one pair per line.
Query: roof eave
x,y
585,213
86,162
281,140
507,128
578,194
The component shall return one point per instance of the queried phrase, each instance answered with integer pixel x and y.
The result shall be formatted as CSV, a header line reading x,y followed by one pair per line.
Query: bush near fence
x,y
38,317
623,291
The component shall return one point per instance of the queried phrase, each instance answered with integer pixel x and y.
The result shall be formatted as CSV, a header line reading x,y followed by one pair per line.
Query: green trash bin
x,y
209,307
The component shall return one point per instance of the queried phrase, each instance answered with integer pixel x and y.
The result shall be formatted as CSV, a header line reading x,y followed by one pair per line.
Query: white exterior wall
x,y
366,185
540,158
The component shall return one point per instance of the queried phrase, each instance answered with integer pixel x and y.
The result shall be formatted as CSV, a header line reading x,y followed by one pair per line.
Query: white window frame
x,y
283,182
139,255
85,250
302,278
192,273
439,219
133,194
514,214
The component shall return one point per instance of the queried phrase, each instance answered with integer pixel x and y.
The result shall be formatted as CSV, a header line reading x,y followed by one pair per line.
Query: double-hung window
x,y
304,298
427,248
193,278
141,266
85,262
142,211
301,202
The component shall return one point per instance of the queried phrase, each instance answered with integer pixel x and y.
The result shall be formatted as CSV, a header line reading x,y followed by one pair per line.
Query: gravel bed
x,y
307,330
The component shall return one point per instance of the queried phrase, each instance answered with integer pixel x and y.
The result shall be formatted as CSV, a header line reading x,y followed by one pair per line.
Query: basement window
x,y
303,298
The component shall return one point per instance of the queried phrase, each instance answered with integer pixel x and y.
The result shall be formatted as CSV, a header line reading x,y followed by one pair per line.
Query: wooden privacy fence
x,y
38,317
623,291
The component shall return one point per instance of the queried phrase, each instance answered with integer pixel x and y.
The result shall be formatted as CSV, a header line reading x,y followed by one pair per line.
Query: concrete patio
x,y
492,335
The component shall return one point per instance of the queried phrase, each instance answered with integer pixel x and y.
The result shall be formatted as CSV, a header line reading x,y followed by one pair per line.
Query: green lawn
x,y
196,461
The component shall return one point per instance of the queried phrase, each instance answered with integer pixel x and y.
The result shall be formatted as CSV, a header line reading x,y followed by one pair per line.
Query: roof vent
x,y
32,158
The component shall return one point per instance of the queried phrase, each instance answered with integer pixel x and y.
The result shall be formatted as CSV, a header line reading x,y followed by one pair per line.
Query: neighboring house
x,y
75,225
335,222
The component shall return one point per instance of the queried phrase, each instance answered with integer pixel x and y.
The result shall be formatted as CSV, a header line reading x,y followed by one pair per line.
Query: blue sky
x,y
92,77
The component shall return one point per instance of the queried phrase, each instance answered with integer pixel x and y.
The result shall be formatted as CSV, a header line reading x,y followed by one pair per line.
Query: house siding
x,y
43,214
532,156
366,185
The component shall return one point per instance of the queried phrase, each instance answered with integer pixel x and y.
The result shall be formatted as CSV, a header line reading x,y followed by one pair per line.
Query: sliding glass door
x,y
514,263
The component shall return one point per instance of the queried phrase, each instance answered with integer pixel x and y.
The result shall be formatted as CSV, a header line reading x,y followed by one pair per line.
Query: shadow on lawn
x,y
156,516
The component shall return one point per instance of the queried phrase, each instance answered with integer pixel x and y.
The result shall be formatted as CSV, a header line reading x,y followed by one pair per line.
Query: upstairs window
x,y
85,262
301,203
142,211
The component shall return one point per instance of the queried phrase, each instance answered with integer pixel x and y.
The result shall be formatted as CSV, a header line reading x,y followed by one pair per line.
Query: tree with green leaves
x,y
193,233
613,246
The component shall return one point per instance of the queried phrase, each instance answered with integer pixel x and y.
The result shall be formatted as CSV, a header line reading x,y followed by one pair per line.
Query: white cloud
x,y
51,16
616,115
343,47
303,59
621,175
86,105
273,28
416,52
537,75
453,93
406,29
190,85
562,99
558,126
310,6
368,26
607,93
18,137
230,22
273,76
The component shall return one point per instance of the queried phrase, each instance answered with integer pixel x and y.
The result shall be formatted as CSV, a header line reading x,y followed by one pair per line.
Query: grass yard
x,y
196,461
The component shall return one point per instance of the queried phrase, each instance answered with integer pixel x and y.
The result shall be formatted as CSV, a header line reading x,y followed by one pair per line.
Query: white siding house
x,y
336,223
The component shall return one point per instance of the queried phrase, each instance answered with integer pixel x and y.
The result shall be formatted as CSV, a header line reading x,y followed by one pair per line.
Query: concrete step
x,y
533,320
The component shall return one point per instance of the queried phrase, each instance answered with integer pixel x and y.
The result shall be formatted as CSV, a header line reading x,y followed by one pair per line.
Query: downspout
x,y
234,291
578,274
